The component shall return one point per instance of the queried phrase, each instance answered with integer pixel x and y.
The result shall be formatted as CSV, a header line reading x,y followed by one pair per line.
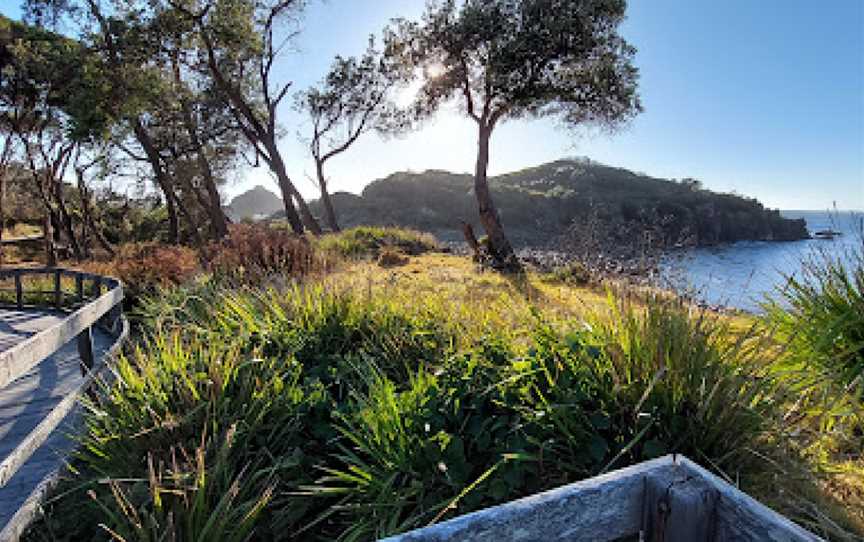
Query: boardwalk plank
x,y
25,402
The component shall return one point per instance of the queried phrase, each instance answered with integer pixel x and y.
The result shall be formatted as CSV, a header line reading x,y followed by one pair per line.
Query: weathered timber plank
x,y
608,507
602,508
681,507
10,465
21,499
17,360
741,517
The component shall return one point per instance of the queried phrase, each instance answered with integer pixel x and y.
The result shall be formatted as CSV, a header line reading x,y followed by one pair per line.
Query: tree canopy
x,y
355,97
512,59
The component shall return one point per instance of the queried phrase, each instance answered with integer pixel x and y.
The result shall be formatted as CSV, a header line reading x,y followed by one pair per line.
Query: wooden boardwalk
x,y
27,401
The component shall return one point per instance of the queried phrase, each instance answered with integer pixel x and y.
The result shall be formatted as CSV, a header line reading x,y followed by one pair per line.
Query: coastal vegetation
x,y
350,400
294,382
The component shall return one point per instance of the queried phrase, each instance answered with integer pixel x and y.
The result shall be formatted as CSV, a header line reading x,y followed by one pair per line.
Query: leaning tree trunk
x,y
218,220
308,219
329,212
500,248
173,219
290,195
66,219
161,179
89,219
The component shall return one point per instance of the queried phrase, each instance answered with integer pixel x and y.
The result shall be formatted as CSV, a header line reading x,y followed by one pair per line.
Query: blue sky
x,y
761,97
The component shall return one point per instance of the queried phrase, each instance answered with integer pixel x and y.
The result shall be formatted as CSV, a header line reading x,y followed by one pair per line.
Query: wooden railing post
x,y
19,359
19,291
79,288
85,350
58,292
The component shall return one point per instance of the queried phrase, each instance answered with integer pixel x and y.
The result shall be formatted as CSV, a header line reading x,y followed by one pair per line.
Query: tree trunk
x,y
217,215
173,219
89,219
48,232
161,180
288,190
65,219
2,212
308,219
329,212
4,161
193,226
471,239
501,251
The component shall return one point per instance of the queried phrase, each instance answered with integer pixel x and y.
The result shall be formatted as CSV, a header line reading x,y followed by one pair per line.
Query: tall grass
x,y
821,314
312,413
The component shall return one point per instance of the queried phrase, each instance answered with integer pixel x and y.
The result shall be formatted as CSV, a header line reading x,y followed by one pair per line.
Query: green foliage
x,y
369,240
313,414
574,273
392,257
820,314
687,382
529,58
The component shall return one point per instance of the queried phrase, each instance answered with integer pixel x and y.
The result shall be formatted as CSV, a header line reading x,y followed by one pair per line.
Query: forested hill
x,y
538,204
254,203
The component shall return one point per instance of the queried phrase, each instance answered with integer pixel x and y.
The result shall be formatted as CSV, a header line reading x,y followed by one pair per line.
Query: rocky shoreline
x,y
645,273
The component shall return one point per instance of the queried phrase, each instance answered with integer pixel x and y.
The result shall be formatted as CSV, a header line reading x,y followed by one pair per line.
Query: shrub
x,y
574,273
252,253
820,314
182,446
685,381
392,257
819,317
369,240
144,268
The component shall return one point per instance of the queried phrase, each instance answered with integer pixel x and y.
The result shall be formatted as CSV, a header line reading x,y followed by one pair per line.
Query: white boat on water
x,y
826,234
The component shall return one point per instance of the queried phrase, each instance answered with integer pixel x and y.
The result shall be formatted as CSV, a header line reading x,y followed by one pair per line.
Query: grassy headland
x,y
361,394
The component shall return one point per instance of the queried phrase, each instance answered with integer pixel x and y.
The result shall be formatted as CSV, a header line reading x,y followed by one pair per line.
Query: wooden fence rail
x,y
93,301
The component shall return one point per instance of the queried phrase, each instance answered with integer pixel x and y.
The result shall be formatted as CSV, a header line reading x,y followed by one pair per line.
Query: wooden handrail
x,y
103,310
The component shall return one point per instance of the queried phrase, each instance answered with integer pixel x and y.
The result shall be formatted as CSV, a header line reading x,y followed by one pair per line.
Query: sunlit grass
x,y
373,400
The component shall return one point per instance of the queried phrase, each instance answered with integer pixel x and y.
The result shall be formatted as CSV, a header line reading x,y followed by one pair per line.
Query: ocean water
x,y
740,275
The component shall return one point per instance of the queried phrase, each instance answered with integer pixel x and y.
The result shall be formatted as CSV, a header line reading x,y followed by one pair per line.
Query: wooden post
x,y
97,286
85,350
19,291
79,288
2,202
683,508
58,291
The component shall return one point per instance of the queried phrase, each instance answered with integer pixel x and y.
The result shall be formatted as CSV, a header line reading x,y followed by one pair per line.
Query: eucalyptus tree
x,y
517,59
162,111
241,41
125,81
355,97
42,78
